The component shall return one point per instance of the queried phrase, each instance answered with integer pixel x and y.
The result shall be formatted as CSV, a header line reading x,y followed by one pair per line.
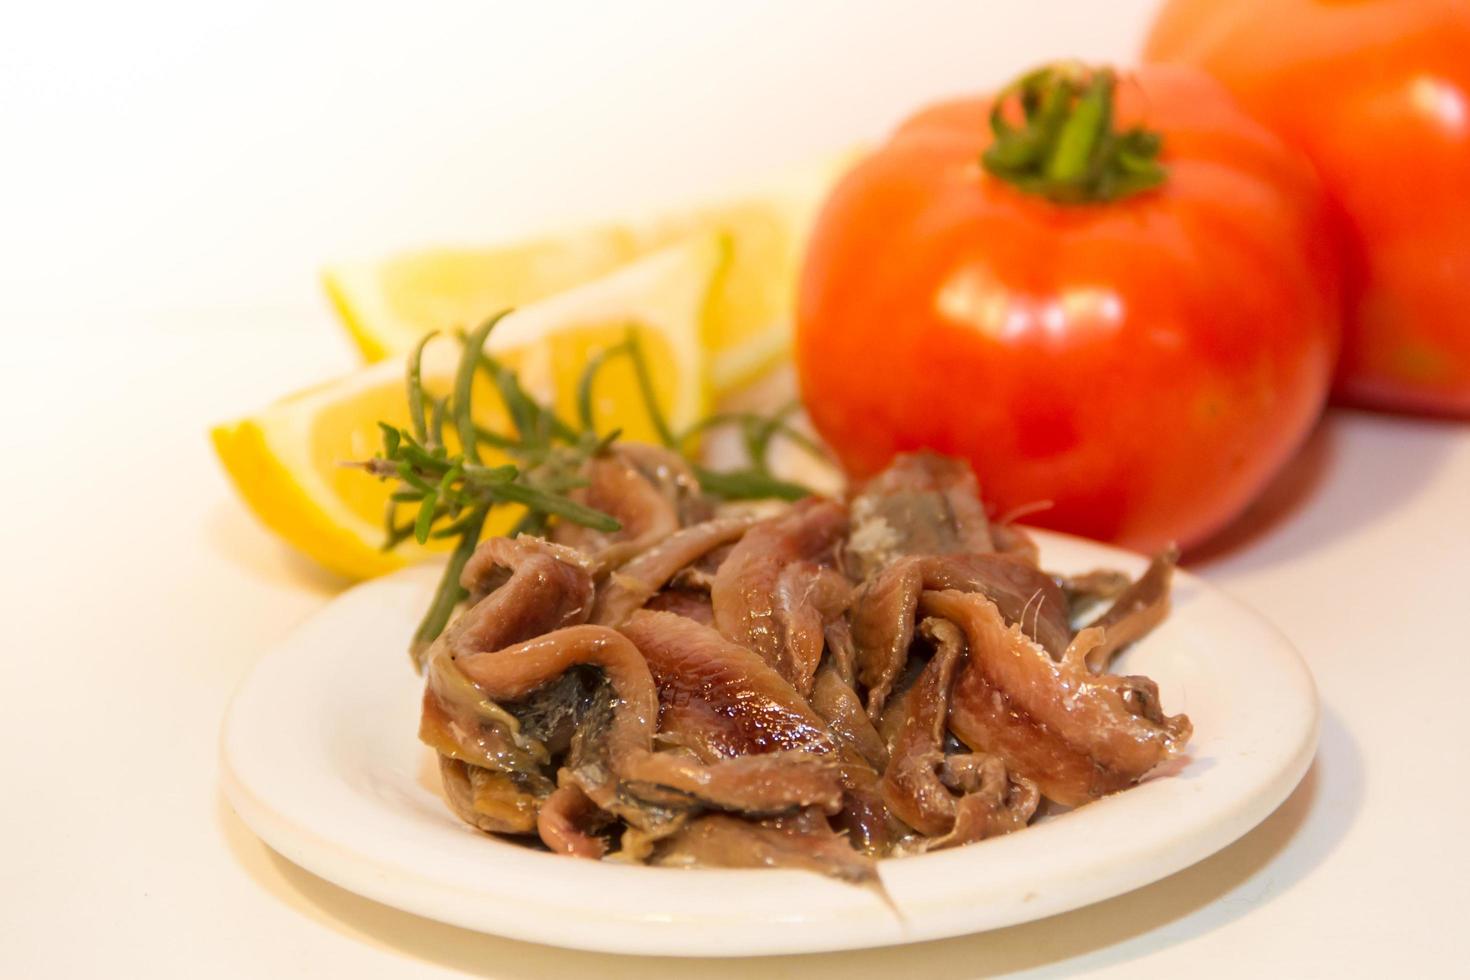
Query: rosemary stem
x,y
645,388
450,592
416,387
464,383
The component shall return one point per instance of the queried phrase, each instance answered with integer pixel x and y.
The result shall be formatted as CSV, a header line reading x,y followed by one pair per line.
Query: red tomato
x,y
1142,365
1377,92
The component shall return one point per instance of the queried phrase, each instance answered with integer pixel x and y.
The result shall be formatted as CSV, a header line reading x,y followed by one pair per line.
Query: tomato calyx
x,y
1066,148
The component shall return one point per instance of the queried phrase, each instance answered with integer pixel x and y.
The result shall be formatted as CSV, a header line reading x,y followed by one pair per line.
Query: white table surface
x,y
166,281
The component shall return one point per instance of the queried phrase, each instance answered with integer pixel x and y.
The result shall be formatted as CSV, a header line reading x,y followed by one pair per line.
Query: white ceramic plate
x,y
319,758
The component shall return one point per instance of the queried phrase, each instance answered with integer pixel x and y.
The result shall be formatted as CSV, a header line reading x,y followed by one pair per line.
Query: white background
x,y
198,154
171,178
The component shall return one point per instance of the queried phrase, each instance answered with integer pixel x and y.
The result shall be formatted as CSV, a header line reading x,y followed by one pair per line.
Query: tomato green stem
x,y
1067,149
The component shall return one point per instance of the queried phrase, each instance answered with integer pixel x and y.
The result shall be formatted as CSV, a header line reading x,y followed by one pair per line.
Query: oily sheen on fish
x,y
815,685
951,799
885,609
1054,722
757,605
922,504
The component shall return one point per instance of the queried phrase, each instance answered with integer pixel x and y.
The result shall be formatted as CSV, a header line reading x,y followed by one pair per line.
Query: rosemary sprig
x,y
758,433
449,593
453,494
750,483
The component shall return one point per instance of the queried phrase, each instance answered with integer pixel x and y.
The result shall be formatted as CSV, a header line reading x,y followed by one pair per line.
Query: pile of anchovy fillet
x,y
812,685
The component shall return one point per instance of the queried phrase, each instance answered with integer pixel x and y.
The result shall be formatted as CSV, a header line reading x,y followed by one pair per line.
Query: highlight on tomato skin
x,y
1128,355
1377,93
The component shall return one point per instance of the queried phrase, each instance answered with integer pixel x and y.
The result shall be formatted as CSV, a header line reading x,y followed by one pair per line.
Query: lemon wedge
x,y
387,305
286,460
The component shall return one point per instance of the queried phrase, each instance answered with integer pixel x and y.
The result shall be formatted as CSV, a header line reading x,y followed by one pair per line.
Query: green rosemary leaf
x,y
712,421
805,442
604,443
645,389
396,535
450,475
497,440
519,493
748,484
428,510
558,429
531,522
766,428
588,379
491,476
518,404
422,459
756,434
454,527
416,386
390,440
449,593
435,441
446,493
407,475
536,424
464,384
390,520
